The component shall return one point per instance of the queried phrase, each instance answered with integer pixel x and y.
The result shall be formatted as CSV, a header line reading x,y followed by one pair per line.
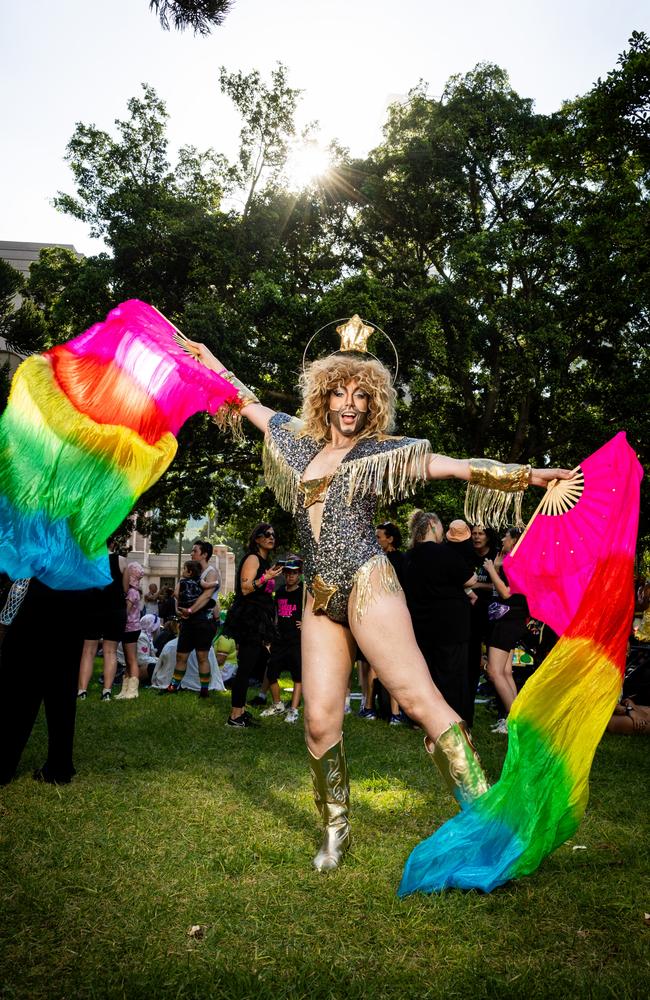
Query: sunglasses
x,y
268,534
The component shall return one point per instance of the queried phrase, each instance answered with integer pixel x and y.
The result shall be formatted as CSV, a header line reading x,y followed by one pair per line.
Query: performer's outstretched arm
x,y
442,467
251,408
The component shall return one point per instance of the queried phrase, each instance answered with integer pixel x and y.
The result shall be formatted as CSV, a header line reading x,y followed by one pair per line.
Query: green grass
x,y
174,820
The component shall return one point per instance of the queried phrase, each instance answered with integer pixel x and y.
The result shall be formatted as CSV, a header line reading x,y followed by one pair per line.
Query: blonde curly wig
x,y
326,374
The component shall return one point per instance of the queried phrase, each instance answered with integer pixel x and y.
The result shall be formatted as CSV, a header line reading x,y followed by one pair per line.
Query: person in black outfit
x,y
389,537
485,546
436,577
285,648
167,604
105,619
251,619
23,691
508,613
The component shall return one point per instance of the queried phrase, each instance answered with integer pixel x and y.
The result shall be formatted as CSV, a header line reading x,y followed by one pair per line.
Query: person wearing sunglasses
x,y
251,619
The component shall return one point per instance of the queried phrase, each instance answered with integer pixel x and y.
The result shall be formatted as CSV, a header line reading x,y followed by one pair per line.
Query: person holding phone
x,y
251,620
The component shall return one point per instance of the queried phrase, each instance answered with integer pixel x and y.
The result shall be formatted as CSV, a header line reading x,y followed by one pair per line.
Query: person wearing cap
x,y
459,535
285,649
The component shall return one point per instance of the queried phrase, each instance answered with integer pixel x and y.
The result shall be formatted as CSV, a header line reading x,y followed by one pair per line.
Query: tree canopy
x,y
505,251
199,15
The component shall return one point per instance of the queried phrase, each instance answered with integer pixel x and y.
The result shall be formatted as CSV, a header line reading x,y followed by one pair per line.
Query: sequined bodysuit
x,y
347,551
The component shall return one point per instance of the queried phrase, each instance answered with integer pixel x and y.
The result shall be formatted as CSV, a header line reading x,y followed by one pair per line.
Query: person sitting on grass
x,y
225,649
630,718
285,650
168,632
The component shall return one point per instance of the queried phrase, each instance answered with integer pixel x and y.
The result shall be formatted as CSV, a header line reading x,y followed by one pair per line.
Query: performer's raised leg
x,y
386,635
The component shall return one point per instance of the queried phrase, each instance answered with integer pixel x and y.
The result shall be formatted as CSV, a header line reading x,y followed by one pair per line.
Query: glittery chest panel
x,y
347,535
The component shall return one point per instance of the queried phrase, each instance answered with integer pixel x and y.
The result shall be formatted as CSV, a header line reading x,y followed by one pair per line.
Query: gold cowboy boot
x,y
458,762
332,797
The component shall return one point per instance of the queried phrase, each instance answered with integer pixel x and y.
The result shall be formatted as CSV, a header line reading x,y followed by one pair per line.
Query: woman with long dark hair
x,y
486,546
509,614
251,620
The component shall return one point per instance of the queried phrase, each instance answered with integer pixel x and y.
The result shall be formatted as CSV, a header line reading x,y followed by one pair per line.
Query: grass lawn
x,y
174,821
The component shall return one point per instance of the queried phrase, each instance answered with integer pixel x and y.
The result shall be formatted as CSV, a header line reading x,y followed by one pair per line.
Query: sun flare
x,y
305,164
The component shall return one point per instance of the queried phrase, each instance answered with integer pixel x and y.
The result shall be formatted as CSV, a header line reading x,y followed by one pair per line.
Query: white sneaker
x,y
292,715
277,708
501,727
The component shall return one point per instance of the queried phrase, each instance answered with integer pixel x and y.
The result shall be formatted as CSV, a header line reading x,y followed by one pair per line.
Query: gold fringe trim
x,y
491,508
228,420
389,474
376,576
228,417
279,476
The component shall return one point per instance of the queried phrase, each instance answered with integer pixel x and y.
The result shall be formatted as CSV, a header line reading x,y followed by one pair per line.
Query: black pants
x,y
31,675
285,656
447,663
479,632
252,657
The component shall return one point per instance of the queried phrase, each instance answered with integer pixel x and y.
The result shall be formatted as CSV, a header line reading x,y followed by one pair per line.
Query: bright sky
x,y
81,60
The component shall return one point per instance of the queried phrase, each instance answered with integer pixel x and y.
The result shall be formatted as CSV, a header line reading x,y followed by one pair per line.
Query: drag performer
x,y
329,469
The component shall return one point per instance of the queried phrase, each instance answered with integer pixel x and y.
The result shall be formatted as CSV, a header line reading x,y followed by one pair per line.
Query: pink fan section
x,y
555,562
139,339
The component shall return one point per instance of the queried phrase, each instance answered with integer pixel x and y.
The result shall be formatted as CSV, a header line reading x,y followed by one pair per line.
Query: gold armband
x,y
228,416
493,489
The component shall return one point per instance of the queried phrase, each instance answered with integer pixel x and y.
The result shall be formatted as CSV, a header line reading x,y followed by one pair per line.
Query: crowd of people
x,y
466,622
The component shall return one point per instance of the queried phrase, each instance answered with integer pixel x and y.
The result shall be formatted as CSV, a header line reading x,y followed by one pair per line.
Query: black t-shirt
x,y
439,606
484,594
289,605
466,551
396,560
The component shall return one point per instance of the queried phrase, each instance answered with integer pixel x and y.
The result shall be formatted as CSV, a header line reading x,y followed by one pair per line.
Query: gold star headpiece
x,y
354,334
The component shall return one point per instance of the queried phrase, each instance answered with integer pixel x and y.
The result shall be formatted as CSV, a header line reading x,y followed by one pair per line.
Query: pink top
x,y
133,609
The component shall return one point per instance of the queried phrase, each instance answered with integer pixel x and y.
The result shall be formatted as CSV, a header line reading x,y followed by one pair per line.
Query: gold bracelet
x,y
494,489
511,478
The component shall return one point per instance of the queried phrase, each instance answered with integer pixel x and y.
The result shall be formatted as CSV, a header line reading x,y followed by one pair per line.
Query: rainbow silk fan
x,y
89,426
575,566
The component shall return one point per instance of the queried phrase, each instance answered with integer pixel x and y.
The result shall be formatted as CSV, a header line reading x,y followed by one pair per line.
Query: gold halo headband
x,y
354,332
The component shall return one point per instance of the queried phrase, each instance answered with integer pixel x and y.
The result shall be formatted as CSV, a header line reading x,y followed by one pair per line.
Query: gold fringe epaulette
x,y
367,586
279,475
392,473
